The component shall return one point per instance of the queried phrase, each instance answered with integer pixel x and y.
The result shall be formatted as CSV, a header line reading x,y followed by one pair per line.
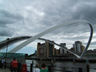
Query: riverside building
x,y
45,49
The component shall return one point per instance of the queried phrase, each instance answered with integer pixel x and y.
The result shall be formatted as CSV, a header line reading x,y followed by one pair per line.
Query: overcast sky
x,y
30,17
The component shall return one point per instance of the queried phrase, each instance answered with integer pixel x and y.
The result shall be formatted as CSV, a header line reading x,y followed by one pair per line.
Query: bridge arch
x,y
52,29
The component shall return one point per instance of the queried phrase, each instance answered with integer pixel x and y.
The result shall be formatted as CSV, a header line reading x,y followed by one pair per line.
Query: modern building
x,y
78,47
62,48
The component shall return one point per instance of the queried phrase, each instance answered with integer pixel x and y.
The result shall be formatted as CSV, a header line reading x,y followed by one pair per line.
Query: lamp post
x,y
6,52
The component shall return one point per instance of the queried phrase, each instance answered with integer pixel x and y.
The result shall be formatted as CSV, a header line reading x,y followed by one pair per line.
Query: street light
x,y
7,46
6,52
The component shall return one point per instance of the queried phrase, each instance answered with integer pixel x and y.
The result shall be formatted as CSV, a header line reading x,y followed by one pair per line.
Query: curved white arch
x,y
45,32
89,41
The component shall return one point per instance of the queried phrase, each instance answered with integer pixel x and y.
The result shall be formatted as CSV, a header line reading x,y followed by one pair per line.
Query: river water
x,y
92,70
28,62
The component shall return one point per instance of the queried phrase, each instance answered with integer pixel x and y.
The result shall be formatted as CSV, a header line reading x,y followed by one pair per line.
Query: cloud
x,y
85,11
7,18
5,33
21,17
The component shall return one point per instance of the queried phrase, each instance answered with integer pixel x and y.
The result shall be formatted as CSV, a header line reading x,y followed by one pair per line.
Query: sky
x,y
30,17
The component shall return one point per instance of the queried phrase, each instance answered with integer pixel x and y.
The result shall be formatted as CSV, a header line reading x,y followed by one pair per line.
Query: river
x,y
28,62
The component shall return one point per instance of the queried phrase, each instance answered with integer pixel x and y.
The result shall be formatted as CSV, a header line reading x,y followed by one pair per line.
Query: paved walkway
x,y
5,70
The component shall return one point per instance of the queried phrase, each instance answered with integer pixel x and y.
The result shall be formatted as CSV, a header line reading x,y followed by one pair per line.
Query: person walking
x,y
14,65
36,69
43,68
24,68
